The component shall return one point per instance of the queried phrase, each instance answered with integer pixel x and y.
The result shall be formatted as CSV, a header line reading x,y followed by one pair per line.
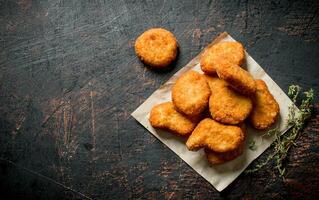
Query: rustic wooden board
x,y
69,80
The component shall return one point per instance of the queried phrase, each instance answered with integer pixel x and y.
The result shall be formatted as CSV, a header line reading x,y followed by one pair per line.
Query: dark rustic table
x,y
69,79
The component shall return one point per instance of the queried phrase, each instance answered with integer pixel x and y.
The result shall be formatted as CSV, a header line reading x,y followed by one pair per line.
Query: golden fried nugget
x,y
190,93
215,83
219,158
213,56
164,116
238,78
156,47
226,105
266,108
215,136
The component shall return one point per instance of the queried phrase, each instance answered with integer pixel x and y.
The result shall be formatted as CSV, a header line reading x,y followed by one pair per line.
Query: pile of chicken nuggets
x,y
211,109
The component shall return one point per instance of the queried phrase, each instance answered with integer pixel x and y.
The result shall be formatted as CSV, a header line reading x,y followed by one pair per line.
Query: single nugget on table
x,y
215,136
226,105
266,108
156,47
238,78
213,56
215,158
190,93
164,116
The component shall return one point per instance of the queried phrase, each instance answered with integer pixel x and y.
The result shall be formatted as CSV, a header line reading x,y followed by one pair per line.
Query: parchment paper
x,y
220,176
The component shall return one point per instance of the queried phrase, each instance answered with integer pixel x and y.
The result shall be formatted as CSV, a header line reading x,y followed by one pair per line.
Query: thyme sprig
x,y
296,120
252,145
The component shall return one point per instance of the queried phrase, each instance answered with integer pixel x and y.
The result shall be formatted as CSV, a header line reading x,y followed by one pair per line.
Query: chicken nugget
x,y
238,78
215,83
215,136
226,105
219,158
190,93
215,158
233,52
164,116
266,108
156,47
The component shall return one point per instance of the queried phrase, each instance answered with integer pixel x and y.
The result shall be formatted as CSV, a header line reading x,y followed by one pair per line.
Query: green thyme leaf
x,y
252,145
283,142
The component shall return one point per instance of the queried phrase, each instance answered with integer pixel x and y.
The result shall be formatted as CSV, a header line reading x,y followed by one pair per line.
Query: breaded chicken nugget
x,y
226,105
215,136
164,116
156,47
238,78
233,52
266,108
190,93
215,83
219,158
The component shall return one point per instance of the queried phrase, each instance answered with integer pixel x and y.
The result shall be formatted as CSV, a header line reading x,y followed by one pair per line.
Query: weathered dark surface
x,y
69,80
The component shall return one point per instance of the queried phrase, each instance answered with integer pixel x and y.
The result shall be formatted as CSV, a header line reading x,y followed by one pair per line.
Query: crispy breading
x,y
219,158
156,47
164,116
215,83
238,78
226,105
190,93
215,136
266,108
233,52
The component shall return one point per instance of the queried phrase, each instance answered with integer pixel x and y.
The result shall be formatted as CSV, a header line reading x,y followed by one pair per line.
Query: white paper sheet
x,y
220,176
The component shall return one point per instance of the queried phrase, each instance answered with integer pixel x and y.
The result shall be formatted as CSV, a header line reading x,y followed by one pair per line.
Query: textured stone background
x,y
69,80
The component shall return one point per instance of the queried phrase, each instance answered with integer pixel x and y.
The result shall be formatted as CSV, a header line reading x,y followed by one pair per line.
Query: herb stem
x,y
283,142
